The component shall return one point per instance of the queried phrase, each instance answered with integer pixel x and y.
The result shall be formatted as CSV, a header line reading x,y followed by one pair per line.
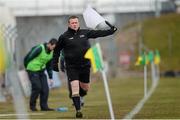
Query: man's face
x,y
74,24
51,47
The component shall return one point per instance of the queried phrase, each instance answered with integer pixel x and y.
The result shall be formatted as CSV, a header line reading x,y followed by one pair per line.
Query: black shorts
x,y
82,74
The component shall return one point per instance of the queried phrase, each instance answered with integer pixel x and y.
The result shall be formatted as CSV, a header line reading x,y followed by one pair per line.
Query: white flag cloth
x,y
92,18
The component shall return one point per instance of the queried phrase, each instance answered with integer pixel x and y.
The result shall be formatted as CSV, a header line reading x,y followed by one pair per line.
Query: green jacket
x,y
39,59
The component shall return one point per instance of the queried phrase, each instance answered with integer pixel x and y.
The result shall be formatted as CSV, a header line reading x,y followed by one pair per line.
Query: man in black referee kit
x,y
74,43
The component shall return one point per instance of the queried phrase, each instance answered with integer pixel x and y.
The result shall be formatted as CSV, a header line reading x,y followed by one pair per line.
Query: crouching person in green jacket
x,y
36,62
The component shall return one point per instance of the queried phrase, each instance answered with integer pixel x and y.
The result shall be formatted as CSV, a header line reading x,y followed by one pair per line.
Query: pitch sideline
x,y
7,115
141,103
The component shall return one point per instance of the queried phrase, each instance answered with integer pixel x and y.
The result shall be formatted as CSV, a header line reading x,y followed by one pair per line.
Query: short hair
x,y
72,17
53,41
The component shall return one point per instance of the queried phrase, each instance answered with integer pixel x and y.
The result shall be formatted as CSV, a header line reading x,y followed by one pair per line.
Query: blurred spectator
x,y
35,62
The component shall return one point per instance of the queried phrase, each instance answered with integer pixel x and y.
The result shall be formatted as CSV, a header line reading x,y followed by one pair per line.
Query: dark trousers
x,y
40,87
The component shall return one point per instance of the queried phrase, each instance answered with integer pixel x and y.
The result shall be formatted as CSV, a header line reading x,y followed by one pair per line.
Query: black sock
x,y
82,92
76,101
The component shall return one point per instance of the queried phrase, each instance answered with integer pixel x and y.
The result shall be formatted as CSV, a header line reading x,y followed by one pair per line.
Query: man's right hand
x,y
62,66
55,67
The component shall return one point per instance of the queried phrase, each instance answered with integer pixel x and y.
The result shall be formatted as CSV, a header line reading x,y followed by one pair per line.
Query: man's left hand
x,y
51,82
113,28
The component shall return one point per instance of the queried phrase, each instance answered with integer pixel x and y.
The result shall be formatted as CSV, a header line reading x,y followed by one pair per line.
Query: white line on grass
x,y
7,115
138,107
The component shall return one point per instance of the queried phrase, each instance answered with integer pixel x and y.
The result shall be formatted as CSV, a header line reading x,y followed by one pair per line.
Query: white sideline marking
x,y
7,115
138,107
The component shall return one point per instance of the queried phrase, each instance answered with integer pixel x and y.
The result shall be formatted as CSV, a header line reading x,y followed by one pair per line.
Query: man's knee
x,y
84,87
75,88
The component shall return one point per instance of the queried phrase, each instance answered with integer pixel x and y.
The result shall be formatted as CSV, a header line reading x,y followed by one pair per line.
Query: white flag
x,y
92,18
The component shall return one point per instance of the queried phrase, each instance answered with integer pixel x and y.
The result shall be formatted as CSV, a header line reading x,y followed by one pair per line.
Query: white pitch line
x,y
138,107
7,115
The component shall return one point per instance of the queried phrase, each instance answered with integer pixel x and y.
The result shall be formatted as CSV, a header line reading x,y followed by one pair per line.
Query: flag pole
x,y
18,98
157,73
153,73
107,94
145,80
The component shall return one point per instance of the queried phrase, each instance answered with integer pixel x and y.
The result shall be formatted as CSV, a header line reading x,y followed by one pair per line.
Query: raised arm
x,y
102,33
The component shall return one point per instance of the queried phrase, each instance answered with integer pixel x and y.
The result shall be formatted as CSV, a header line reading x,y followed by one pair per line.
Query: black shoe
x,y
47,109
79,114
34,109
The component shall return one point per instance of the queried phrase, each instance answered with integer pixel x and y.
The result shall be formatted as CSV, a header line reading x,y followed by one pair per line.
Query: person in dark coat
x,y
74,43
